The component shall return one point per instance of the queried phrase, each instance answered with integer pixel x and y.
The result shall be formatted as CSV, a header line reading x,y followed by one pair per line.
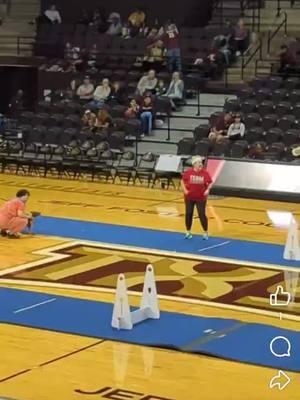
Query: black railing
x,y
22,40
247,59
218,5
278,7
244,6
271,61
271,35
255,17
8,5
294,4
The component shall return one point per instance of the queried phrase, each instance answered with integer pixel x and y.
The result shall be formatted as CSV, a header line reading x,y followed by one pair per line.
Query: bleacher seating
x,y
54,141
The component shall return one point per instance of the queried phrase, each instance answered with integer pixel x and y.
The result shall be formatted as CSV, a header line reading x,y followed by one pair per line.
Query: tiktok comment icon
x,y
280,347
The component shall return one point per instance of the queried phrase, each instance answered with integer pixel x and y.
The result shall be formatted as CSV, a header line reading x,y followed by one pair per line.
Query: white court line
x,y
214,246
34,305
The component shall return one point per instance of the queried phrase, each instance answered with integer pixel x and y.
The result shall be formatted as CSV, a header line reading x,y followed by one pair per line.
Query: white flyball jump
x,y
122,317
292,246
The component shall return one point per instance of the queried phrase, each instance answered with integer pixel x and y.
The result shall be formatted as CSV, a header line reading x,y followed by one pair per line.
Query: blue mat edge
x,y
157,345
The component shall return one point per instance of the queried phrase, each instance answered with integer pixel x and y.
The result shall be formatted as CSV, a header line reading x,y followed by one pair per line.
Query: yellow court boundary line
x,y
48,252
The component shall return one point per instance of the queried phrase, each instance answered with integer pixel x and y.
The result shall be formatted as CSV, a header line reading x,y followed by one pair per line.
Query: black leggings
x,y
189,213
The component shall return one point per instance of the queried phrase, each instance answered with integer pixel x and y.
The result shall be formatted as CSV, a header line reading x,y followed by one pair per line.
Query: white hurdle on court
x,y
292,246
122,317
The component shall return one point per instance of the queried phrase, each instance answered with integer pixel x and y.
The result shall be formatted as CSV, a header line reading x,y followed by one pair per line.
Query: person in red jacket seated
x,y
196,183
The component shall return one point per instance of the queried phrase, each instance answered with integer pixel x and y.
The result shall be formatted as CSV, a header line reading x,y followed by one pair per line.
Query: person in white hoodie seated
x,y
101,94
175,89
53,15
115,24
236,130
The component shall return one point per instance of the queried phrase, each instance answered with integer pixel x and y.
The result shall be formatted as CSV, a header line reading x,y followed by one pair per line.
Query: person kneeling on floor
x,y
13,217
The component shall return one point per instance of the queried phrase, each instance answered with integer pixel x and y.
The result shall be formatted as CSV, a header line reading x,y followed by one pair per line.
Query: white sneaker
x,y
205,236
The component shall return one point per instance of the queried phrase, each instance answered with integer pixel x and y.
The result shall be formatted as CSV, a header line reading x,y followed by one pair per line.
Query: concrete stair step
x,y
227,12
13,53
24,11
27,2
273,4
24,17
232,4
14,45
14,32
13,39
12,23
21,6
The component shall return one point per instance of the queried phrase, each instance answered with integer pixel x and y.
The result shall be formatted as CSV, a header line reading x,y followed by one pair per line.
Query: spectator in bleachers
x,y
171,42
68,51
56,66
73,55
115,24
89,120
288,60
220,127
240,37
210,66
86,90
85,18
98,21
236,130
147,83
175,90
102,93
153,34
118,94
160,89
221,42
136,22
103,120
154,57
256,151
93,54
53,15
132,110
16,105
146,115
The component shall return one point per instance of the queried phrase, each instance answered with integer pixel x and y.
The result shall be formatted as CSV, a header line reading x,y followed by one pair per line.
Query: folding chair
x,y
125,167
145,169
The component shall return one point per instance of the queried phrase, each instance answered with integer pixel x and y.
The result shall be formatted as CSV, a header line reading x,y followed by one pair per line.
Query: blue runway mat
x,y
223,338
164,240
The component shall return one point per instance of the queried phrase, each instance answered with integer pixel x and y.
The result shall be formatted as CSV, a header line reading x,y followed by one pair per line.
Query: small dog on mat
x,y
34,214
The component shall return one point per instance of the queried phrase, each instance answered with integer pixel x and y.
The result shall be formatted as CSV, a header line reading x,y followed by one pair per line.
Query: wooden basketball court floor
x,y
39,364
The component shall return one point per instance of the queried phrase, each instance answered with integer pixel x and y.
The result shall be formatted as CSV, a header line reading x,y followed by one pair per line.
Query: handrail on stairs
x,y
294,4
253,5
278,8
246,61
19,38
271,34
8,5
255,17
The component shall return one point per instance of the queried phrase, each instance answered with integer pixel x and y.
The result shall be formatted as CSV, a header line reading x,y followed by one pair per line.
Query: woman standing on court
x,y
196,183
13,217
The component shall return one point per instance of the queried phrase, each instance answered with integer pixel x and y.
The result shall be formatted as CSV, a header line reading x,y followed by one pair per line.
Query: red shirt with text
x,y
196,182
